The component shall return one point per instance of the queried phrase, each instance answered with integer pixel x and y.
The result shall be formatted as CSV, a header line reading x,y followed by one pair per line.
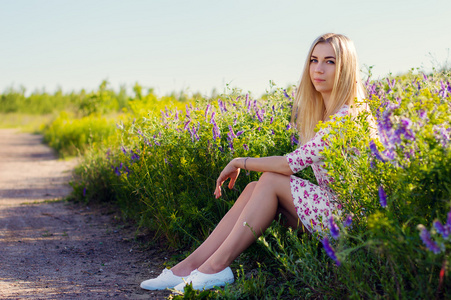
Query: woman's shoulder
x,y
343,111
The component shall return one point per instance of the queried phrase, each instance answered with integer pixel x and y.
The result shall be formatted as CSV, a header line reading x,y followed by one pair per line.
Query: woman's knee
x,y
278,185
251,185
247,192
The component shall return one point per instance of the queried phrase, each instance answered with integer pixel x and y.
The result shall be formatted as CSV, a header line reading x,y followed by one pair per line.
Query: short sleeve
x,y
307,154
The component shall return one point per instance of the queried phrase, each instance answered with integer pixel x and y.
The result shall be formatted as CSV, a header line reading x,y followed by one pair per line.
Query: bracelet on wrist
x,y
247,172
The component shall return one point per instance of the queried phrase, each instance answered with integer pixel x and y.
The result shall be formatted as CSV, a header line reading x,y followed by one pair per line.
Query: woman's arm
x,y
275,164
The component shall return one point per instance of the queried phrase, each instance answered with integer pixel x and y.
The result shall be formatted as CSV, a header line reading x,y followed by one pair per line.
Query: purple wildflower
x,y
216,132
272,120
334,230
375,152
222,106
285,94
405,129
246,147
259,116
134,156
207,110
188,113
422,113
294,140
382,197
428,242
191,132
330,251
443,89
391,84
84,192
443,230
186,125
248,103
348,221
212,119
123,150
288,126
231,135
117,172
239,133
442,134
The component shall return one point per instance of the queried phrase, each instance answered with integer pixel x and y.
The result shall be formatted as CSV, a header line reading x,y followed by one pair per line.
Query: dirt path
x,y
56,249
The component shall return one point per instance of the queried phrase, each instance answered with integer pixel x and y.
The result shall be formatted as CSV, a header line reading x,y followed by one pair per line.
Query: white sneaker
x,y
165,280
202,281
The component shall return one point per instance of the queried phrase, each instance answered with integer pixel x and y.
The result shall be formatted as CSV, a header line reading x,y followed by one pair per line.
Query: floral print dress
x,y
313,203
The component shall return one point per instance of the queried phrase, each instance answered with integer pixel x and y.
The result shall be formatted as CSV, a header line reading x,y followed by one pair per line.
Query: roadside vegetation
x,y
157,159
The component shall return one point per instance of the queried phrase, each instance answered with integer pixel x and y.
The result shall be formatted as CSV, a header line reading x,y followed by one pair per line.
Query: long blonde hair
x,y
309,107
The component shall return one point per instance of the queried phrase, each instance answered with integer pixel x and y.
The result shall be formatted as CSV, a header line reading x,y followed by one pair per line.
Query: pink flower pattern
x,y
313,203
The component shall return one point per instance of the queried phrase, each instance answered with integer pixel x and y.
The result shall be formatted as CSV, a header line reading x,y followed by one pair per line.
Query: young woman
x,y
329,85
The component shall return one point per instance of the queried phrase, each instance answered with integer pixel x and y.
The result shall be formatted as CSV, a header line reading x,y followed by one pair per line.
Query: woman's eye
x,y
331,62
313,60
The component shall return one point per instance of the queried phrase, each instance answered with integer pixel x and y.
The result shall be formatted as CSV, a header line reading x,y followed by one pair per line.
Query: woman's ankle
x,y
211,268
182,270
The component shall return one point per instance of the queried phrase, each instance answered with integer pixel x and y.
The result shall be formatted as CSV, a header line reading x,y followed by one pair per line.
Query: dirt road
x,y
56,249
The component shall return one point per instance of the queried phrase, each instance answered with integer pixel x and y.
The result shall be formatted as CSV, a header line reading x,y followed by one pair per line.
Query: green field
x,y
157,159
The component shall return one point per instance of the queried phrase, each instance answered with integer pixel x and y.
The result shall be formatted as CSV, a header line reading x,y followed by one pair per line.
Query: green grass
x,y
25,122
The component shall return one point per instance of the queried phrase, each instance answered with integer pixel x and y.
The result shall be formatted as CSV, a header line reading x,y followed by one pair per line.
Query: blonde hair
x,y
309,107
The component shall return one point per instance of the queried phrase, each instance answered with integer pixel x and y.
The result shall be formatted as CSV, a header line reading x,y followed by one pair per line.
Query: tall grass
x,y
159,159
163,171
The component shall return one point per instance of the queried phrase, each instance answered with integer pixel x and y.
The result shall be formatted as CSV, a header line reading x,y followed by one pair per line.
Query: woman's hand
x,y
230,171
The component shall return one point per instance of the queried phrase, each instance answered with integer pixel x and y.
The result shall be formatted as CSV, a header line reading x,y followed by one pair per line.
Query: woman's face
x,y
322,69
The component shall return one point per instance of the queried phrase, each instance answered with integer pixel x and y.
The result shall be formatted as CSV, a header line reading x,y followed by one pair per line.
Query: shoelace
x,y
193,275
164,272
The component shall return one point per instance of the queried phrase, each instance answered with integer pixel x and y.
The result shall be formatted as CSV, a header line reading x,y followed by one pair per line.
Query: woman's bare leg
x,y
217,237
271,191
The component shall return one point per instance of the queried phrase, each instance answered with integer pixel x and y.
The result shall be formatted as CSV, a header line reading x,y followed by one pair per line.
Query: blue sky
x,y
202,45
